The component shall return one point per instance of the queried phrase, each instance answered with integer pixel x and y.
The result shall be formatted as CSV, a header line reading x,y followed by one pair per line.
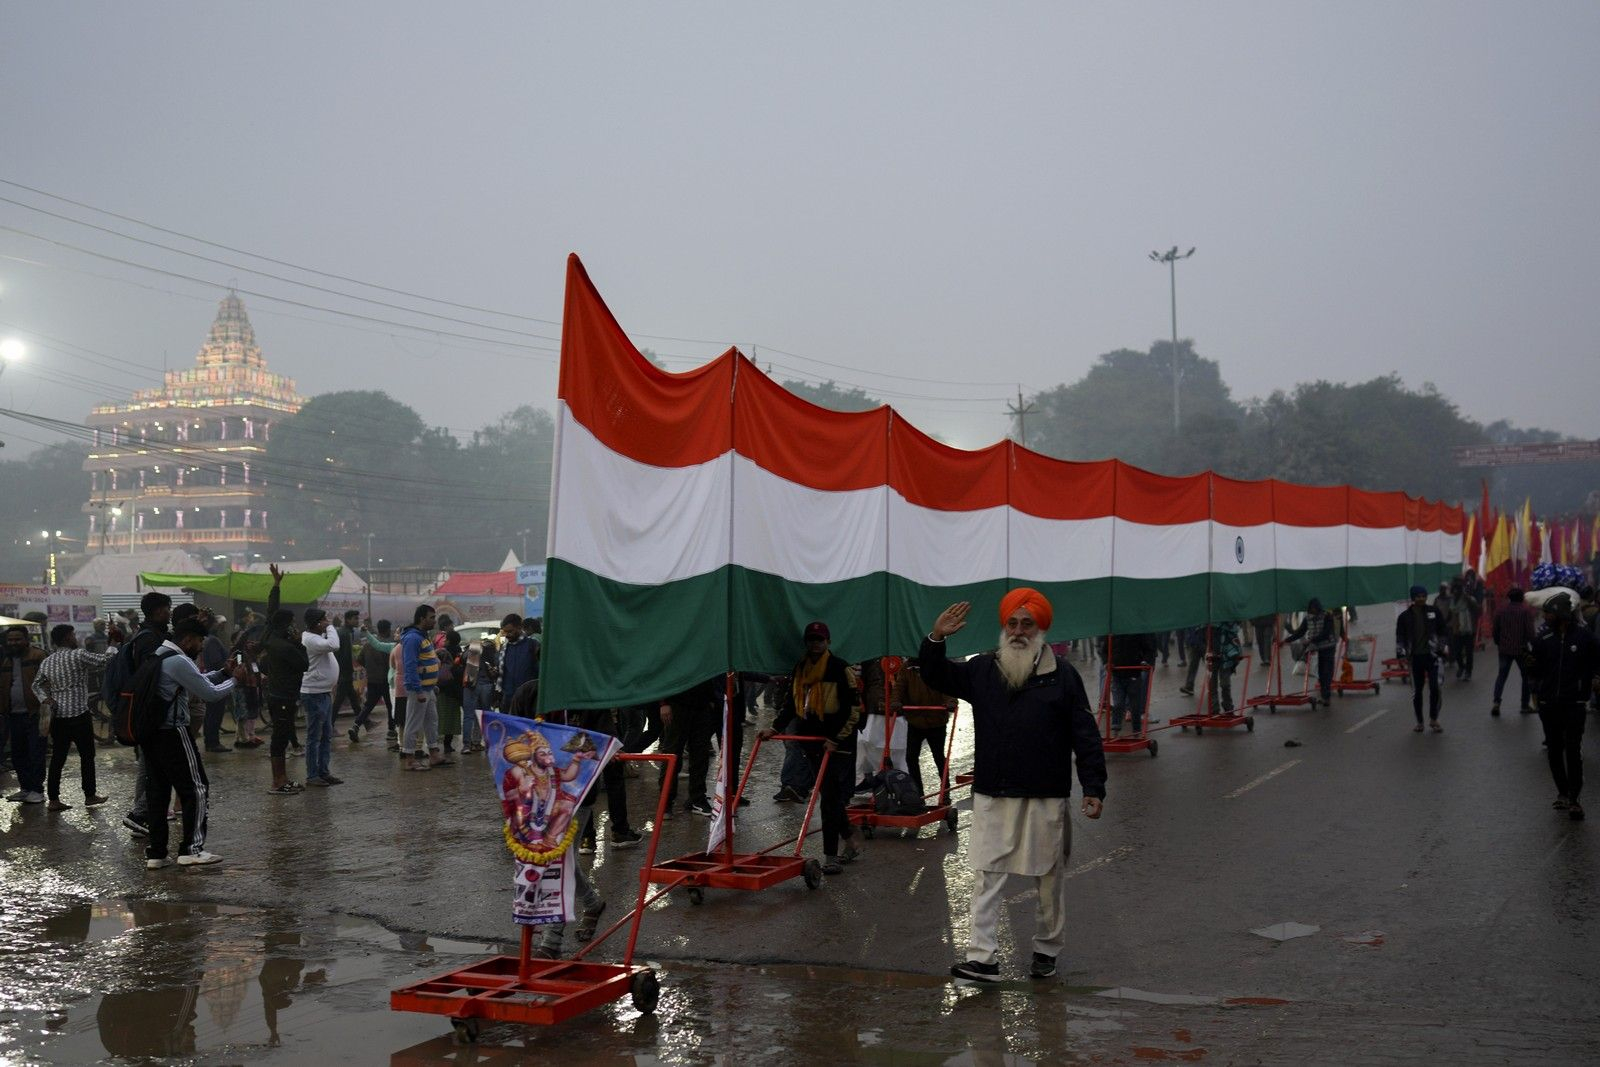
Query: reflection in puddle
x,y
151,978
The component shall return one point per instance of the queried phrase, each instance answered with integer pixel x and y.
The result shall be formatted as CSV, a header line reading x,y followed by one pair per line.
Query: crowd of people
x,y
841,723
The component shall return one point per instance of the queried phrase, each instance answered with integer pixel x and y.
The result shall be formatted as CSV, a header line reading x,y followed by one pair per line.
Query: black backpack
x,y
897,794
142,710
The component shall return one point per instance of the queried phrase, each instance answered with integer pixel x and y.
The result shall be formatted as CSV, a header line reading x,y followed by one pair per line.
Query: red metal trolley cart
x,y
869,818
727,869
1139,740
1202,717
539,992
1275,697
1357,685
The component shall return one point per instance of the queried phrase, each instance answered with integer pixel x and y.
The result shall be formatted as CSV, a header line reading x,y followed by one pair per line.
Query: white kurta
x,y
1019,835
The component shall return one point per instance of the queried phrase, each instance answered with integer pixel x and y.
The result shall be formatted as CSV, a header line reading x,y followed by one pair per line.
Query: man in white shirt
x,y
63,683
321,641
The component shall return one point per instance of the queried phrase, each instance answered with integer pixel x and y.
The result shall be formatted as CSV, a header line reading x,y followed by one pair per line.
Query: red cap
x,y
817,629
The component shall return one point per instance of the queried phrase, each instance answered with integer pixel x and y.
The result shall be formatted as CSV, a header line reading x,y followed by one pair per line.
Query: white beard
x,y
1016,661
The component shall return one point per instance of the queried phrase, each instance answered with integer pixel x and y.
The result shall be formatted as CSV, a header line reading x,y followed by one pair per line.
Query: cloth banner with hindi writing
x,y
543,772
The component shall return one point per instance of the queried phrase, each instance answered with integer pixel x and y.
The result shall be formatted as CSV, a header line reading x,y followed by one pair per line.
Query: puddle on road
x,y
83,980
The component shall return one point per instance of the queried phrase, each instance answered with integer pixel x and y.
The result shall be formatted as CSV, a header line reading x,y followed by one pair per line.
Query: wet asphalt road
x,y
1455,917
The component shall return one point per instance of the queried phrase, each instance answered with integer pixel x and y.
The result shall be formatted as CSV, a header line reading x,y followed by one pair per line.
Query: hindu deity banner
x,y
543,771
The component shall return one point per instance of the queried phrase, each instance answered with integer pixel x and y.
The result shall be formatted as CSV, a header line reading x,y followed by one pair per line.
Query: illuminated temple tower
x,y
179,466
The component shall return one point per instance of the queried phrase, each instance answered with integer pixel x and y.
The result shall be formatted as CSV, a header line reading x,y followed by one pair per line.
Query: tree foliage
x,y
1377,434
830,395
359,462
44,491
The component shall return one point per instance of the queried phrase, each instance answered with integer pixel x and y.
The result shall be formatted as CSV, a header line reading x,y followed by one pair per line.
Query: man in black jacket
x,y
1565,665
284,661
157,610
1031,722
821,703
1419,634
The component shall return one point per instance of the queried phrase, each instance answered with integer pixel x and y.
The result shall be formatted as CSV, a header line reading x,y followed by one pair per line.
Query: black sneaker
x,y
625,838
782,795
354,735
1561,804
699,807
1043,966
973,971
218,748
1575,811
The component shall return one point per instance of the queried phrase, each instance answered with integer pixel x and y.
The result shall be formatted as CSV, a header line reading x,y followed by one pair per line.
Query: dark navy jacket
x,y
1565,664
1026,740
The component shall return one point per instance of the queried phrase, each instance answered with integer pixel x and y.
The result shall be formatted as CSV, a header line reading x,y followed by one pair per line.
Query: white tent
x,y
349,583
118,575
511,562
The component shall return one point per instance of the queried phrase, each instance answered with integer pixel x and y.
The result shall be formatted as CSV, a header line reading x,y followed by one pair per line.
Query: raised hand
x,y
277,575
950,620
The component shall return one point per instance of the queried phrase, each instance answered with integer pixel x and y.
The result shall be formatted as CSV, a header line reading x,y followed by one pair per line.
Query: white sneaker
x,y
198,859
156,865
33,798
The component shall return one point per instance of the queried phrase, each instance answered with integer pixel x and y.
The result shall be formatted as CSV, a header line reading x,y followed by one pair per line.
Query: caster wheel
x,y
908,833
1198,730
812,873
1374,688
697,895
1250,723
1184,729
950,819
1153,747
646,992
466,1030
869,832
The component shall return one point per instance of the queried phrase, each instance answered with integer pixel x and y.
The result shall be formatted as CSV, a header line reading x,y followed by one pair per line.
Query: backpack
x,y
115,686
143,712
897,794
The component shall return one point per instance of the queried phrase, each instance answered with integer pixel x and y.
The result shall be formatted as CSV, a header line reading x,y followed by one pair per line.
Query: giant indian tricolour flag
x,y
699,520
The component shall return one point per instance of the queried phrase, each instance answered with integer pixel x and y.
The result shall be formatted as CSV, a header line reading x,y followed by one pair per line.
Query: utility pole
x,y
1170,258
369,577
1020,411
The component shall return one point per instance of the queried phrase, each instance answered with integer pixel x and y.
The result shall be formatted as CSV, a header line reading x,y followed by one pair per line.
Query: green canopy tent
x,y
305,587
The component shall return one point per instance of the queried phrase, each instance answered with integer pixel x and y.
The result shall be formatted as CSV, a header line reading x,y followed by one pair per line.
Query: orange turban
x,y
1031,599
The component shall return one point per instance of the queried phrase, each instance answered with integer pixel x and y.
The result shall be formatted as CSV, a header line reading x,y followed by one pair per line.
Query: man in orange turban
x,y
1030,600
1031,724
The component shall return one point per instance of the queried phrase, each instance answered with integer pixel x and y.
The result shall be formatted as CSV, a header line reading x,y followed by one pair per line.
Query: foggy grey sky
x,y
957,192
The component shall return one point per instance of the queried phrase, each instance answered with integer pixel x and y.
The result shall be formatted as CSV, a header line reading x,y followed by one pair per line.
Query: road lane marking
x,y
1375,715
1121,852
1269,776
1115,854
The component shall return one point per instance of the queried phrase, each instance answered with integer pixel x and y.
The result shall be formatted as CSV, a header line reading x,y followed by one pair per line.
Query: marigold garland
x,y
540,859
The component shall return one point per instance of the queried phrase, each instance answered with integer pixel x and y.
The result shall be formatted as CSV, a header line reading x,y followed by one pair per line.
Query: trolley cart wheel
x,y
697,895
1374,688
646,992
812,873
1183,729
869,831
1198,730
950,820
466,1030
1250,723
1153,747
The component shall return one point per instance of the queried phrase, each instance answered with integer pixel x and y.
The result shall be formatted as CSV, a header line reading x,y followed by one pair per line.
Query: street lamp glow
x,y
12,350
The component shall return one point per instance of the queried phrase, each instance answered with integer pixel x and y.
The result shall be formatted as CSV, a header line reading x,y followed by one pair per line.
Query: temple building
x,y
180,466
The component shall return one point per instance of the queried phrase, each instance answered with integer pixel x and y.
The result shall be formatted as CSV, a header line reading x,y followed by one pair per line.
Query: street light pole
x,y
1170,258
369,578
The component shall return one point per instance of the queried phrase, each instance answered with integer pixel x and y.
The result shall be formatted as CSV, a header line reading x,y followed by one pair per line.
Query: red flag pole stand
x,y
1140,740
1369,684
869,818
729,868
1202,716
540,992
